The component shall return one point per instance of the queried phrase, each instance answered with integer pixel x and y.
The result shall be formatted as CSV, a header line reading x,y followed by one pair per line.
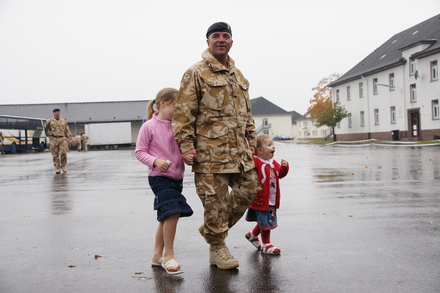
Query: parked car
x,y
281,137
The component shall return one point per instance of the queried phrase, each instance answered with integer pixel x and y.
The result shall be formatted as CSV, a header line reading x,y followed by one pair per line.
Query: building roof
x,y
260,107
90,112
389,55
296,116
119,111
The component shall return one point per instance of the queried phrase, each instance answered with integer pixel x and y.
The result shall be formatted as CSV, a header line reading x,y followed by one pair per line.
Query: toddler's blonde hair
x,y
260,140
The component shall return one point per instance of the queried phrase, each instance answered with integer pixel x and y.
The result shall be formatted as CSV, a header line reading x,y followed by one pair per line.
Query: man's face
x,y
56,114
220,43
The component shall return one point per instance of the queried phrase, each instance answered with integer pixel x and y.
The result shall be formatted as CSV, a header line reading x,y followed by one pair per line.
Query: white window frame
x,y
348,93
265,122
375,92
349,121
362,118
337,95
413,93
434,70
376,116
361,90
314,132
412,66
435,109
393,114
306,123
391,81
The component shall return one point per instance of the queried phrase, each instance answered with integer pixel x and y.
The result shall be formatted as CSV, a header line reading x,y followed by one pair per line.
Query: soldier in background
x,y
77,141
84,139
213,124
60,137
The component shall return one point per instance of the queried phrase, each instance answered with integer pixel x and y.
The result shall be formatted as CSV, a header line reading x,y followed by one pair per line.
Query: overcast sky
x,y
102,50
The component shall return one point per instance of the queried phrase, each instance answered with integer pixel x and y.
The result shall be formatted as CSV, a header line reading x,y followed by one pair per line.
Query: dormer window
x,y
412,66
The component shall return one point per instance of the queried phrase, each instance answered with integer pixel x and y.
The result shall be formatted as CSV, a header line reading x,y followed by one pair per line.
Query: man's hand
x,y
50,120
189,156
283,163
163,165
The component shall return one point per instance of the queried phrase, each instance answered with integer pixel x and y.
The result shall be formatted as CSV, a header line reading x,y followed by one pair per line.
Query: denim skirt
x,y
267,220
168,197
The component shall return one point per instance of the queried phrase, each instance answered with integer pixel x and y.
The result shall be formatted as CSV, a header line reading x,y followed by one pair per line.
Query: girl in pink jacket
x,y
264,207
157,148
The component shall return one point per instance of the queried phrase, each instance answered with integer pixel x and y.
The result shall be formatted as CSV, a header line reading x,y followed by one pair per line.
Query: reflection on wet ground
x,y
351,220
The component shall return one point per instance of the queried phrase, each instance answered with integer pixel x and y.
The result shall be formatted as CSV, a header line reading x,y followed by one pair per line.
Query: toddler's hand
x,y
283,163
163,165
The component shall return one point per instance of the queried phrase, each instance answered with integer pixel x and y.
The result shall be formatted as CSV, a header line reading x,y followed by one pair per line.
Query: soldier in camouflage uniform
x,y
1,139
84,138
77,142
212,122
59,133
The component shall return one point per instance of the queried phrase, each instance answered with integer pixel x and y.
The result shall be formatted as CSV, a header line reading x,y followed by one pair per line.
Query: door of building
x,y
414,123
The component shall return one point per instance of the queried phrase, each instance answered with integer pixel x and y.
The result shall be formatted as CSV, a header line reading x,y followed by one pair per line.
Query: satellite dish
x,y
416,75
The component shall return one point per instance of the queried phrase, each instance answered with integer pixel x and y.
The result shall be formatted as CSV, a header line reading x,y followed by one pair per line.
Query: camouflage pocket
x,y
213,143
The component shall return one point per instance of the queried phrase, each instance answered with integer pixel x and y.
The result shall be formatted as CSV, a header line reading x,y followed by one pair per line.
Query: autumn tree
x,y
322,109
322,97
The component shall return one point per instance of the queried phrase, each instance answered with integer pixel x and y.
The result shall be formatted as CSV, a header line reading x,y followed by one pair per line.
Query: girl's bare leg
x,y
158,243
169,232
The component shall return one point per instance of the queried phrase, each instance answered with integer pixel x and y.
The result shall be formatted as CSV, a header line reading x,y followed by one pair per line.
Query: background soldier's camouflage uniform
x,y
59,132
213,115
77,142
84,139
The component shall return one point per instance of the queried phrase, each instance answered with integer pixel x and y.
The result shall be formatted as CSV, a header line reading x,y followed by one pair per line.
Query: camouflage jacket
x,y
213,115
58,128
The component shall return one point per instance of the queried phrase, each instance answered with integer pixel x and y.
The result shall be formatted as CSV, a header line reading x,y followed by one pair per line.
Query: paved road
x,y
352,219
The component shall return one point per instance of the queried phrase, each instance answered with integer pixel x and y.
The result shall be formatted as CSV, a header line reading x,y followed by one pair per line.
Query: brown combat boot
x,y
220,256
58,171
64,169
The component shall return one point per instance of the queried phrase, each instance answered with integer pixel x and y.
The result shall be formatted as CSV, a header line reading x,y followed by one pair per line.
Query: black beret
x,y
219,27
56,110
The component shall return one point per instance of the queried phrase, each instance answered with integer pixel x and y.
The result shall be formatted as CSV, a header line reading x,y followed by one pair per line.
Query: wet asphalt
x,y
352,219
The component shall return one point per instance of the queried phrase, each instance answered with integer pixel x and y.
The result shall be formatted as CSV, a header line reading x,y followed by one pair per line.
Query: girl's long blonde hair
x,y
168,95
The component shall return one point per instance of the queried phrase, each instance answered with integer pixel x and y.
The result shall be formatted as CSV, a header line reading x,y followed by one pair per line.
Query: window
x,y
362,118
435,110
376,116
306,123
299,124
413,93
337,95
266,132
412,66
265,122
339,124
375,86
348,94
434,70
322,133
392,82
393,114
315,133
306,133
299,133
361,90
349,120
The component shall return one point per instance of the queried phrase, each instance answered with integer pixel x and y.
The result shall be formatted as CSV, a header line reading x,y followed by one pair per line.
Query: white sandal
x,y
268,248
253,239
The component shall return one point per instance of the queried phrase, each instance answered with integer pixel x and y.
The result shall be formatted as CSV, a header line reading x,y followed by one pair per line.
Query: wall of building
x,y
385,98
280,124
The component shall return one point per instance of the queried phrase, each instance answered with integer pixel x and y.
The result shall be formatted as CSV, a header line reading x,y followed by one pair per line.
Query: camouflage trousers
x,y
223,208
58,148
